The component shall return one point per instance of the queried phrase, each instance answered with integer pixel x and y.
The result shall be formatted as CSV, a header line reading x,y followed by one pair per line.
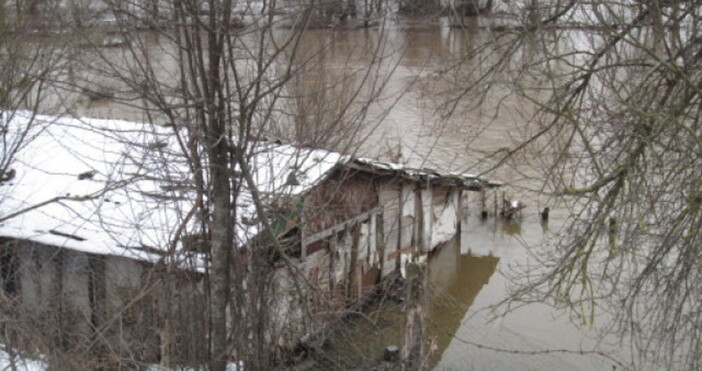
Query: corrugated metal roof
x,y
454,178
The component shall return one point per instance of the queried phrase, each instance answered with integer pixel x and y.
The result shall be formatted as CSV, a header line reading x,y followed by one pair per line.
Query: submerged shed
x,y
95,205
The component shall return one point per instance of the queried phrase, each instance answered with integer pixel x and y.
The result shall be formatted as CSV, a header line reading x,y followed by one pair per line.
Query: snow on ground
x,y
10,362
14,362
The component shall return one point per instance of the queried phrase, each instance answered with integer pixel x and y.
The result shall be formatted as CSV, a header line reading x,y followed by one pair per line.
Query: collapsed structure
x,y
98,211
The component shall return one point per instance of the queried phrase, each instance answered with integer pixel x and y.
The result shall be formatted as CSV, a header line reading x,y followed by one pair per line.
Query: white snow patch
x,y
7,362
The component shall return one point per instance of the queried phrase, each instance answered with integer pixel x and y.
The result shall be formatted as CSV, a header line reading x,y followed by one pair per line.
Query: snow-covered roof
x,y
122,188
105,186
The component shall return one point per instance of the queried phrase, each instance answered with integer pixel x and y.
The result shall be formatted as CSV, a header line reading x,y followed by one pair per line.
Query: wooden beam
x,y
340,227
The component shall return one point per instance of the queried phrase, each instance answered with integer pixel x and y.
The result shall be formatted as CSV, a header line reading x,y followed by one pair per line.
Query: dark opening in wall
x,y
8,269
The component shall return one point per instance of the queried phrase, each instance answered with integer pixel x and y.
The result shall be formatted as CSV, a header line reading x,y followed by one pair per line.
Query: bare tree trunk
x,y
221,228
221,248
218,148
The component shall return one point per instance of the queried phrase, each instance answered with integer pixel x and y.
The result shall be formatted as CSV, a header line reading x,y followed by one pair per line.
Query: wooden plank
x,y
340,227
418,226
380,241
427,212
372,255
401,208
353,276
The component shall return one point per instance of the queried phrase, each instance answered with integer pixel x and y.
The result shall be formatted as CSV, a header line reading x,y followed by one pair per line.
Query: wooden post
x,y
59,296
612,235
371,254
333,248
418,232
401,206
380,242
96,290
413,353
458,194
353,280
483,204
544,214
97,297
427,203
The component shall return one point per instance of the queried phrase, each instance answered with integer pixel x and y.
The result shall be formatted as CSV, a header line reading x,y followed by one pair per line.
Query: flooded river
x,y
466,279
533,337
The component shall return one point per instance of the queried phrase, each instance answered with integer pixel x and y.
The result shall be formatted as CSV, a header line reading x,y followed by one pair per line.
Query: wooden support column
x,y
418,240
380,242
372,253
458,198
353,277
401,206
59,297
427,217
97,297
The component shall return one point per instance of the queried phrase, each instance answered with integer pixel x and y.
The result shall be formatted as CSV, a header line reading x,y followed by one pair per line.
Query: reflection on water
x,y
512,227
464,281
530,337
454,282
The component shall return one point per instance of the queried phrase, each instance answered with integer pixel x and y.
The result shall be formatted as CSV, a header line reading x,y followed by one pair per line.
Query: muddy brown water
x,y
466,278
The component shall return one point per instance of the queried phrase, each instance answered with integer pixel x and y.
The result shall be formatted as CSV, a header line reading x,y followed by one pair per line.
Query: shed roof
x,y
451,178
122,188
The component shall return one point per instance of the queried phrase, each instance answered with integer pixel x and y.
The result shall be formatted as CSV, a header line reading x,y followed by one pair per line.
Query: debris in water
x,y
510,208
544,214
